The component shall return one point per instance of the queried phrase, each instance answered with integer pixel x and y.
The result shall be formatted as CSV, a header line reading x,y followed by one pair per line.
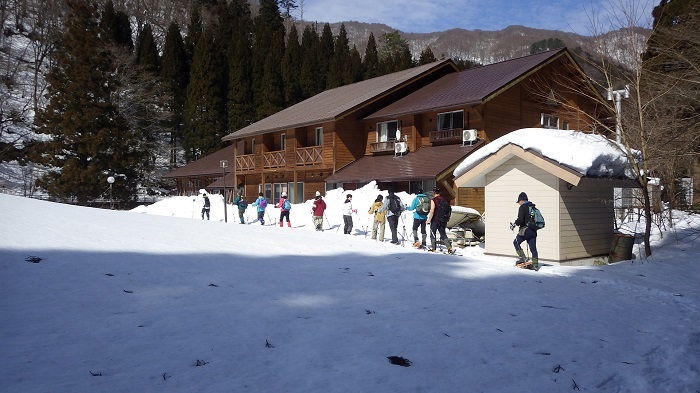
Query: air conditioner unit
x,y
400,148
469,136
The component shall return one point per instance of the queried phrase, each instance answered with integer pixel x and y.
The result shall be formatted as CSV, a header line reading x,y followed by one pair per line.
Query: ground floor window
x,y
295,194
425,185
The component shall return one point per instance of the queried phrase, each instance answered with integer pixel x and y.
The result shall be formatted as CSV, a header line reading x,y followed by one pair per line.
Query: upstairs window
x,y
387,131
319,136
549,121
450,121
283,137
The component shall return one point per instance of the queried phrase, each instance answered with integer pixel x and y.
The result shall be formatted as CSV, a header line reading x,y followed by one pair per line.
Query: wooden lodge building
x,y
407,130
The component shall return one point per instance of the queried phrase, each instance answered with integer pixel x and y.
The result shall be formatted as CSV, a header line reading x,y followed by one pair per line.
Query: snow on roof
x,y
589,154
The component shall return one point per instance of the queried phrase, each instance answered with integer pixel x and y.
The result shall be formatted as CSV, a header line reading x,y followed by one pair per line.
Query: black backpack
x,y
242,204
423,206
443,210
395,205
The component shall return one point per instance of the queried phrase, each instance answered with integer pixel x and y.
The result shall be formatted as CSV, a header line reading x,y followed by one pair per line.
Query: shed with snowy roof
x,y
568,175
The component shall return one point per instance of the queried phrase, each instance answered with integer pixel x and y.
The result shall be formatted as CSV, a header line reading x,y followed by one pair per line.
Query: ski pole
x,y
327,222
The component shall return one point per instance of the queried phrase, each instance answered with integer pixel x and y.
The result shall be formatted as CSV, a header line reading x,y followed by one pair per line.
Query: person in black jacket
x,y
525,233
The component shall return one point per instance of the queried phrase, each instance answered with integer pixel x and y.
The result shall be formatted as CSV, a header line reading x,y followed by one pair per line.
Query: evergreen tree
x,y
115,26
325,54
545,45
371,60
291,65
268,44
239,102
353,68
309,63
339,61
194,30
146,50
204,109
395,54
174,74
426,57
88,139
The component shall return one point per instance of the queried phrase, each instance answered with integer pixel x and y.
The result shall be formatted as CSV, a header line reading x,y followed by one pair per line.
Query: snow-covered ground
x,y
153,300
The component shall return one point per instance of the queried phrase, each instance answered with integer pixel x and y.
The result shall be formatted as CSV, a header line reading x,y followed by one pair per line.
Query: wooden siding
x,y
586,219
350,145
503,114
472,197
503,185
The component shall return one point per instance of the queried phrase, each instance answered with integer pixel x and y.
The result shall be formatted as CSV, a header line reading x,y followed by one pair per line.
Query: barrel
x,y
621,249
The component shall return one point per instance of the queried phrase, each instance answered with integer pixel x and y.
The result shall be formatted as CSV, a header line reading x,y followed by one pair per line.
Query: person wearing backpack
x,y
379,217
261,204
393,208
421,208
440,211
526,232
206,204
286,206
242,204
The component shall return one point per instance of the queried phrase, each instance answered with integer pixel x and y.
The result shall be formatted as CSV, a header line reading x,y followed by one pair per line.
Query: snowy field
x,y
157,300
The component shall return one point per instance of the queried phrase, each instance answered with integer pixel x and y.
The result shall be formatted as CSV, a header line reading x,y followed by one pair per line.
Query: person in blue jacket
x,y
420,207
261,204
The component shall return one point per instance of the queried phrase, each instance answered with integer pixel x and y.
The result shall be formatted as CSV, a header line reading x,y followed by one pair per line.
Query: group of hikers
x,y
426,211
434,211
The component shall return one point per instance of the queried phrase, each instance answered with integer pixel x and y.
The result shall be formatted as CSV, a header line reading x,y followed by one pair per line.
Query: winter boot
x,y
535,264
281,224
289,224
521,256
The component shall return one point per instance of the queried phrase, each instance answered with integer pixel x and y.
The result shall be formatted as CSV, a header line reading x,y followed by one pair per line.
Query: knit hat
x,y
284,194
318,193
522,197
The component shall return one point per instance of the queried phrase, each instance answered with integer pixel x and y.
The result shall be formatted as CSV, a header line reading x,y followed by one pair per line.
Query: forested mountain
x,y
171,77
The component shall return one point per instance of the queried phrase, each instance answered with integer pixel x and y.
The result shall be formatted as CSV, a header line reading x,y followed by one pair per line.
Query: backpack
x,y
536,219
242,204
286,205
443,210
423,206
206,203
395,205
263,203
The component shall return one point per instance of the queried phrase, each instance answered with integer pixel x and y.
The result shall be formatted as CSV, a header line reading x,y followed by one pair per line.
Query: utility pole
x,y
224,164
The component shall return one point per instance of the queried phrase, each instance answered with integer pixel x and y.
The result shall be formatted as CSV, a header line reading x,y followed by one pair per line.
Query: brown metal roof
x,y
470,86
207,165
336,103
424,163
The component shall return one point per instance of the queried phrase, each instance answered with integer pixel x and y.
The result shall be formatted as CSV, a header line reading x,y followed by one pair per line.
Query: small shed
x,y
569,175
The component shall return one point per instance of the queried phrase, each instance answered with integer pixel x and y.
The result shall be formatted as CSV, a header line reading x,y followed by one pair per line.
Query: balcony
x,y
446,137
245,162
273,159
309,156
382,147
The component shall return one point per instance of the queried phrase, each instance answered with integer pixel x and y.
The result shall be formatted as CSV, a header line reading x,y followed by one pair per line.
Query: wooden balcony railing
x,y
273,159
309,155
245,162
446,136
382,147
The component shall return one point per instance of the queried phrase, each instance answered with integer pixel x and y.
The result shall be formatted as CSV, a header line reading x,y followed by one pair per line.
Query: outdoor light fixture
x,y
110,180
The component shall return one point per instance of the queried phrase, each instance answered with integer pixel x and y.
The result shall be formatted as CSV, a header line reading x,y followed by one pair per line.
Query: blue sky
x,y
425,16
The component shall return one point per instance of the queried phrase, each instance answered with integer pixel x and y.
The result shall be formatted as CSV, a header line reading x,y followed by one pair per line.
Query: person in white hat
x,y
286,206
317,209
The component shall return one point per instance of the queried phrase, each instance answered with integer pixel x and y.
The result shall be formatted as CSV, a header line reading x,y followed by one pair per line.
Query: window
x,y
565,125
319,136
252,146
283,137
450,120
295,194
387,131
549,121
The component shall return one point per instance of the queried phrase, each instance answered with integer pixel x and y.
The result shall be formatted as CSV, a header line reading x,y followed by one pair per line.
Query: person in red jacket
x,y
317,209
